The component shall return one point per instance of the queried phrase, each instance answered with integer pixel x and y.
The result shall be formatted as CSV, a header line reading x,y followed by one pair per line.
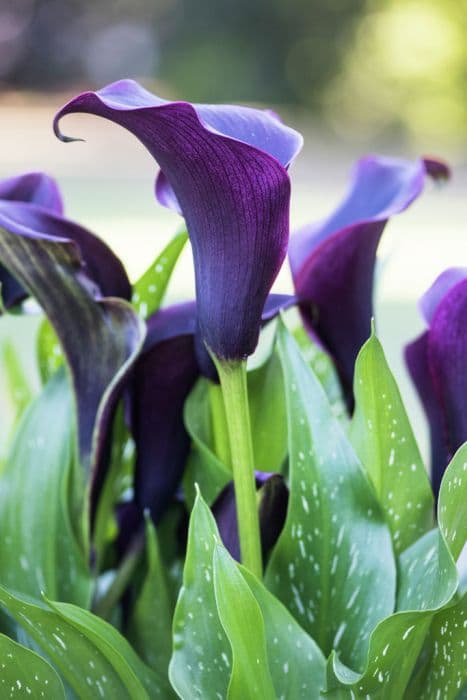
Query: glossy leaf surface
x,y
243,624
40,550
333,565
94,659
24,674
383,439
149,290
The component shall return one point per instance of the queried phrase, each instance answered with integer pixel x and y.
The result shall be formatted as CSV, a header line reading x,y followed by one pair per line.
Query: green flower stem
x,y
234,389
219,425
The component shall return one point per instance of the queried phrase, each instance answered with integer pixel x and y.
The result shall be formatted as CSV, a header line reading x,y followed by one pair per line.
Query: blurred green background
x,y
354,76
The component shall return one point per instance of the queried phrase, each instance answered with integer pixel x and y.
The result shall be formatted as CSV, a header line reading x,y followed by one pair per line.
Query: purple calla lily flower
x,y
333,261
163,376
31,205
224,167
36,188
437,362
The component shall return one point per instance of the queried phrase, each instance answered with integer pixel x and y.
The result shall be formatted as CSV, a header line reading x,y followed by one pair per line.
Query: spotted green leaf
x,y
381,434
149,290
295,660
333,565
91,655
39,546
443,673
323,367
243,624
149,628
427,585
201,659
452,510
24,674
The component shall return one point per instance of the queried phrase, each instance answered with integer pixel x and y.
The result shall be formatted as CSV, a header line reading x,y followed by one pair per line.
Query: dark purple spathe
x,y
333,261
226,169
163,376
437,362
31,205
36,188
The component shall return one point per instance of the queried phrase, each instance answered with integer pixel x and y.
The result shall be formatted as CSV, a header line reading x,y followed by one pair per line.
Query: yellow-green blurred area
x,y
385,76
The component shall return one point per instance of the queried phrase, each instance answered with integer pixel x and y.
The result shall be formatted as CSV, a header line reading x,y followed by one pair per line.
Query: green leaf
x,y
149,628
19,386
50,355
381,434
24,674
444,670
40,551
201,659
428,583
268,415
94,659
149,290
296,663
242,621
452,509
333,565
323,367
203,467
118,479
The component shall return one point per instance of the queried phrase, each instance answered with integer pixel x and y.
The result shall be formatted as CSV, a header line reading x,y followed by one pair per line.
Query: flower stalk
x,y
232,375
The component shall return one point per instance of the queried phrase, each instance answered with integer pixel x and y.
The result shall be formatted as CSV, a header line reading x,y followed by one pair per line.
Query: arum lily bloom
x,y
225,169
437,362
333,261
163,376
31,205
69,271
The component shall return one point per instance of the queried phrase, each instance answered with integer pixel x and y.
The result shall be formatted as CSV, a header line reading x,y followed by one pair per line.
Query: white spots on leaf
x,y
339,634
407,632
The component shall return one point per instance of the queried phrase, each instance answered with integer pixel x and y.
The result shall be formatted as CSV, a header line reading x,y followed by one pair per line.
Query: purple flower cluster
x,y
225,170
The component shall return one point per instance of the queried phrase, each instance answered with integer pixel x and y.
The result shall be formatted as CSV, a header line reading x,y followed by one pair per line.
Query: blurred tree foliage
x,y
262,50
265,50
406,68
371,67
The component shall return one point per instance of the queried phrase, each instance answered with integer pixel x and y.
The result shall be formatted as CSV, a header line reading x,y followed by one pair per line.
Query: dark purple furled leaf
x,y
437,362
100,339
333,261
163,377
273,498
227,168
100,264
36,188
